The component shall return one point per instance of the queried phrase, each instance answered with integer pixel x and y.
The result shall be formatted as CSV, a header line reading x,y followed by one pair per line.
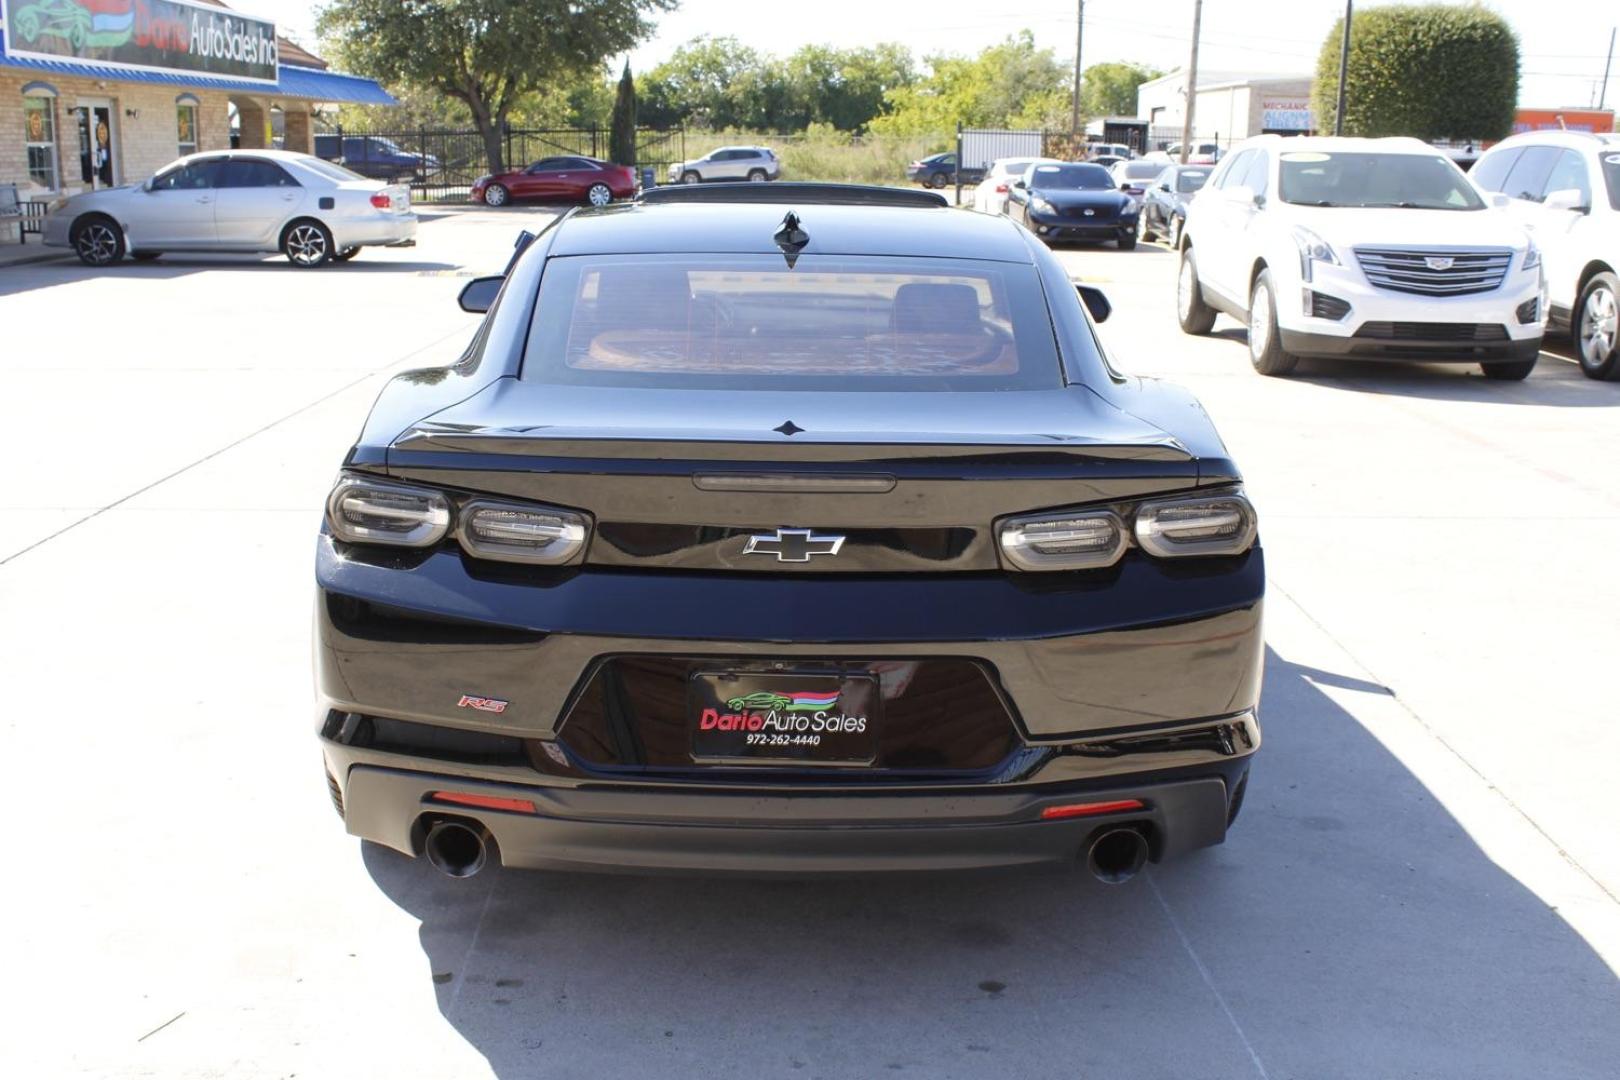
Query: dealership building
x,y
96,93
1231,105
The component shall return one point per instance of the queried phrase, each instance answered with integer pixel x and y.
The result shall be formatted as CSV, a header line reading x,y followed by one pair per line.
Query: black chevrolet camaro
x,y
788,529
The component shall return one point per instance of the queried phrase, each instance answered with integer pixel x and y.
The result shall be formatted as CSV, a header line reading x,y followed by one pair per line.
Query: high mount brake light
x,y
364,511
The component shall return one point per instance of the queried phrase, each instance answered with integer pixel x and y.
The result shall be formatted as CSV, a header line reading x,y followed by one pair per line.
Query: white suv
x,y
1564,186
1363,249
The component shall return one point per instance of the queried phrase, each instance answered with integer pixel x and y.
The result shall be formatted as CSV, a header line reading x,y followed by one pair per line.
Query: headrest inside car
x,y
922,308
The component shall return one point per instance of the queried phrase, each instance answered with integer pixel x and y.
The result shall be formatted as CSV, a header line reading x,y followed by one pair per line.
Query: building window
x,y
39,139
187,124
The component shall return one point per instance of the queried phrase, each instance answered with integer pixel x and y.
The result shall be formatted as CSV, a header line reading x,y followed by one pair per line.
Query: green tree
x,y
1013,82
1110,89
700,83
488,54
622,136
1431,70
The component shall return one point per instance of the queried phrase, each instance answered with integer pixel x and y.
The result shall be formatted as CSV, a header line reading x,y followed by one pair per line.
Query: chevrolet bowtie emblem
x,y
793,545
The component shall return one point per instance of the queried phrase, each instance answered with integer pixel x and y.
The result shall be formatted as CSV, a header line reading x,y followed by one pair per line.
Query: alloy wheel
x,y
1600,321
599,195
306,245
97,243
1260,322
495,195
1185,284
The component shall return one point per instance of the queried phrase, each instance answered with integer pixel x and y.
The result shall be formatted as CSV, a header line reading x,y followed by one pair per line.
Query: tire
x,y
144,256
1595,327
496,195
1144,232
1172,234
691,176
757,176
1195,316
98,240
307,244
599,195
937,180
1509,370
345,255
1265,342
1127,241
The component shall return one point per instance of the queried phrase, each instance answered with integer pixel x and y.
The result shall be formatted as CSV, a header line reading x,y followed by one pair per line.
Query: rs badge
x,y
482,704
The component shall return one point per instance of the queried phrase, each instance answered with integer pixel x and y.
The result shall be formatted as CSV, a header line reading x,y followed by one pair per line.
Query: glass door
x,y
96,157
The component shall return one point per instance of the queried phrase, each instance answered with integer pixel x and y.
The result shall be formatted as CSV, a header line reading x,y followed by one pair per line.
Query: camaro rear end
x,y
787,530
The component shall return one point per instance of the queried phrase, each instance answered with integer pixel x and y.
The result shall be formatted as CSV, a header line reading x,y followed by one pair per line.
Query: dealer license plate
x,y
807,719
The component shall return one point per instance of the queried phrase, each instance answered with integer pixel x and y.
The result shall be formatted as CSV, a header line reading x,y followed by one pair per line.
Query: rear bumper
x,y
380,229
651,830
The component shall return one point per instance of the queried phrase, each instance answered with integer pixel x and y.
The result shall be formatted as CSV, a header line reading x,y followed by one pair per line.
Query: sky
x,y
1563,42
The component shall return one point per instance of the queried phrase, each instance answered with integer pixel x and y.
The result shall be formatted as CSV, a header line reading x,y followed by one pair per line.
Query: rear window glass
x,y
328,169
827,323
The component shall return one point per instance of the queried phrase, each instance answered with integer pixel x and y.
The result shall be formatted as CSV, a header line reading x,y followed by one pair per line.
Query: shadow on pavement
x,y
1557,380
1350,927
21,279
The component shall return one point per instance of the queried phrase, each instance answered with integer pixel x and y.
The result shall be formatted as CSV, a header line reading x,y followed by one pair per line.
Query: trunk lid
x,y
683,479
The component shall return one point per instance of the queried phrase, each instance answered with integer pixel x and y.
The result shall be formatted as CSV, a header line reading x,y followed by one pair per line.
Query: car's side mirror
x,y
1095,302
1566,199
1499,200
478,295
1124,185
1164,187
1019,184
149,184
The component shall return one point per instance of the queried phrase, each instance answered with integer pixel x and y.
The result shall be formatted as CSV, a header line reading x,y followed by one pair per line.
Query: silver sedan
x,y
237,201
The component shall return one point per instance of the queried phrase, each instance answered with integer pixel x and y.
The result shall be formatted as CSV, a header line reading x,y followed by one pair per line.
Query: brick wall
x,y
142,143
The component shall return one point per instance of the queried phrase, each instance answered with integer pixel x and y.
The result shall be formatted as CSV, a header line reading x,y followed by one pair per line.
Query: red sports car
x,y
559,179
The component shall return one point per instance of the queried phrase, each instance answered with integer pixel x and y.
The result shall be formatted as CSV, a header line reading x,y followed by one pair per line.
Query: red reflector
x,y
484,802
381,200
1001,189
1086,809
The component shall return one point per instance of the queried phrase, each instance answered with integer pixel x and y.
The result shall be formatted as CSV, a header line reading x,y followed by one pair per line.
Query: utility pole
x,y
1344,68
1079,39
1603,93
1192,84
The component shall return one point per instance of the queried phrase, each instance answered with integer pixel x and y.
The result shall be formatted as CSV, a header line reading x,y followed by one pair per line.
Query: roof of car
x,y
1342,144
743,227
1574,140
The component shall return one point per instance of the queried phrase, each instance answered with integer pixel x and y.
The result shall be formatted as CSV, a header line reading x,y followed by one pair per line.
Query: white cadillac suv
x,y
1362,249
1564,186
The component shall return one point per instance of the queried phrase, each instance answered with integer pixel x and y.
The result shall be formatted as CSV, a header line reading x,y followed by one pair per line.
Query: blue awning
x,y
311,84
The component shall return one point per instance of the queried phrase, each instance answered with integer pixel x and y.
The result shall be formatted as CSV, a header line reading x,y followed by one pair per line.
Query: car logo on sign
x,y
793,545
1438,262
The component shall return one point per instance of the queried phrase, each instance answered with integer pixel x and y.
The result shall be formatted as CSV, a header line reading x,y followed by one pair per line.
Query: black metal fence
x,y
441,164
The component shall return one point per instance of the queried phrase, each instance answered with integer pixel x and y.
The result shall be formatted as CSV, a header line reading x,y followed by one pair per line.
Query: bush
x,y
1434,71
823,153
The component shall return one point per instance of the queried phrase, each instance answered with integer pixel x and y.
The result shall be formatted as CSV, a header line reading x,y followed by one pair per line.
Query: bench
x,y
28,214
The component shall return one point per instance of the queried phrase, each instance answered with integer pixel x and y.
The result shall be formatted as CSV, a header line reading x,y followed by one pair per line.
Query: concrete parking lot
x,y
1425,881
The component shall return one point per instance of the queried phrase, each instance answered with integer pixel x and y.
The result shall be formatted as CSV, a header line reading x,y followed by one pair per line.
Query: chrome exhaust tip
x,y
1116,855
457,849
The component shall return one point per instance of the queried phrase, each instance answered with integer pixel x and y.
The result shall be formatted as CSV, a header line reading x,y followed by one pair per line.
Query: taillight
x,y
381,200
1001,189
364,511
1071,542
1223,525
522,533
1219,524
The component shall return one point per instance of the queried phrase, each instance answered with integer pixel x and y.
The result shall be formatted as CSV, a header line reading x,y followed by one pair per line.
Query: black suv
x,y
787,528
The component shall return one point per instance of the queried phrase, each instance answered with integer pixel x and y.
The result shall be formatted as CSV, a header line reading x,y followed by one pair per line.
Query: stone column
x,y
297,126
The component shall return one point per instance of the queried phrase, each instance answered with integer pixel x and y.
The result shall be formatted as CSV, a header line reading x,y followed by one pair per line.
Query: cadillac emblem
x,y
1438,262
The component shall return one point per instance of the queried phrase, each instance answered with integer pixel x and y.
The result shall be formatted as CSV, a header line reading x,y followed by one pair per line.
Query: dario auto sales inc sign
x,y
153,35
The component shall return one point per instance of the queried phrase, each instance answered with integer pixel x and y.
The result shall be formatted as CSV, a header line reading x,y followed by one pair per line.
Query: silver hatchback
x,y
757,163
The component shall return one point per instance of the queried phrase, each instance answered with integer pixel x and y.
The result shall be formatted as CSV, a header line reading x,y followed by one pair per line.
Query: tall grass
x,y
823,153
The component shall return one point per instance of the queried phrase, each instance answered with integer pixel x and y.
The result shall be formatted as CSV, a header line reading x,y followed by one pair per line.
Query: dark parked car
x,y
559,179
375,157
1073,201
939,170
1164,206
787,528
